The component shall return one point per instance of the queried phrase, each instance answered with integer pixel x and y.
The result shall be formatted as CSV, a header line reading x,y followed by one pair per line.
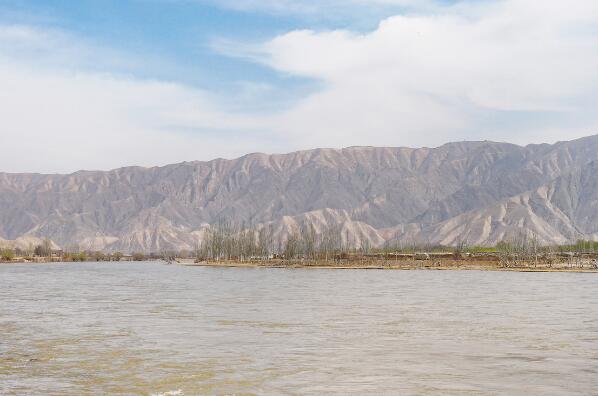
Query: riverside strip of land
x,y
487,261
583,265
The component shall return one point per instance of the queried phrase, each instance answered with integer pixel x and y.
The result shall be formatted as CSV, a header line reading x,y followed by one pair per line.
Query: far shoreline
x,y
402,266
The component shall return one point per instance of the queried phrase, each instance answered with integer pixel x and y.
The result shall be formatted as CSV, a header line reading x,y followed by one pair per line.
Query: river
x,y
154,329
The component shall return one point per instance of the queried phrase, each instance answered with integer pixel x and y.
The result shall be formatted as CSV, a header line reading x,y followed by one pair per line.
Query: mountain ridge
x,y
436,194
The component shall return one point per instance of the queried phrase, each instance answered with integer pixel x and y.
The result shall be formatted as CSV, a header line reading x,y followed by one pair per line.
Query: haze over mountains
x,y
473,192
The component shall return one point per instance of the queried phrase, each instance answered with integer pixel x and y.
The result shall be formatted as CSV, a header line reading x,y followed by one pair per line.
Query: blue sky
x,y
196,79
177,37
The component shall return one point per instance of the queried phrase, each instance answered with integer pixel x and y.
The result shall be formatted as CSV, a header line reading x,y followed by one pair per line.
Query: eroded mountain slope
x,y
478,192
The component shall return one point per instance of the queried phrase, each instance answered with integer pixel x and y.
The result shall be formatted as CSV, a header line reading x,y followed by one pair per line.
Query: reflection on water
x,y
149,328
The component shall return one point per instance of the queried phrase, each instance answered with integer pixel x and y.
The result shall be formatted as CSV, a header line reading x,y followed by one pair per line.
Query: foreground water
x,y
150,328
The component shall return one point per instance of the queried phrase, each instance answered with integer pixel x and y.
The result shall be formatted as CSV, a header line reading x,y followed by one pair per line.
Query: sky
x,y
108,83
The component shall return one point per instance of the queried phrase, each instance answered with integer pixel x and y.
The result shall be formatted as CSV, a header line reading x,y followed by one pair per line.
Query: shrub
x,y
138,257
7,254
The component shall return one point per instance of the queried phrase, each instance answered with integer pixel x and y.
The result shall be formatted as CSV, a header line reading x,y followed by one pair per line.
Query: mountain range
x,y
477,193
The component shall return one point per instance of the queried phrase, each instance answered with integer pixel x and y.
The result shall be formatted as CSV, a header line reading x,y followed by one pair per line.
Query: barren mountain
x,y
475,192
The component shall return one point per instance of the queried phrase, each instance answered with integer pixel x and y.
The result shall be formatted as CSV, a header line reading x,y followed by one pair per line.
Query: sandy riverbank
x,y
400,265
448,265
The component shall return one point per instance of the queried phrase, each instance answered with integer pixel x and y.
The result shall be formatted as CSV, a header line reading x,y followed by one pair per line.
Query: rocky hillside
x,y
475,192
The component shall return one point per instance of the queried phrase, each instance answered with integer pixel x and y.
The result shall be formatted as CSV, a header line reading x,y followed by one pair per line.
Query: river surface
x,y
156,329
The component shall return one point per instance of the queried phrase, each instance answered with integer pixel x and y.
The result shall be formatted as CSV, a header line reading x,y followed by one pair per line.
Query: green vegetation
x,y
137,256
581,246
7,254
481,249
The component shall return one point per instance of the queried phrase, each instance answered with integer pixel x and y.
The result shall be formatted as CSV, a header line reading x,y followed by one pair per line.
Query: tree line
x,y
226,241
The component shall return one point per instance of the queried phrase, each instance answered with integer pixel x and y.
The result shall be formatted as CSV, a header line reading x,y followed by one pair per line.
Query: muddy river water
x,y
154,329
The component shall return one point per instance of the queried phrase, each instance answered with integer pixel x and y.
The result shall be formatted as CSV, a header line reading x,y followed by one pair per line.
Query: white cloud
x,y
514,70
428,79
64,122
56,118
